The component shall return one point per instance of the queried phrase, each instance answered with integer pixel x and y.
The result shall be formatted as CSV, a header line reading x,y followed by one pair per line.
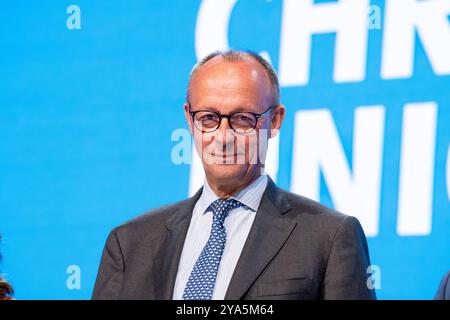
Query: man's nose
x,y
224,133
225,128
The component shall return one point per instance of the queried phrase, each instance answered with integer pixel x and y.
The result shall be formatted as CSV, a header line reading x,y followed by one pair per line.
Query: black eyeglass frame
x,y
228,116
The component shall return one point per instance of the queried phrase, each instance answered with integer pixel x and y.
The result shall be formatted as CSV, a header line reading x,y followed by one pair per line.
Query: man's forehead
x,y
244,92
244,81
247,68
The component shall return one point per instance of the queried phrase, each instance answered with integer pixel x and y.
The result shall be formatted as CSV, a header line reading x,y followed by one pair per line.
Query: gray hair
x,y
235,56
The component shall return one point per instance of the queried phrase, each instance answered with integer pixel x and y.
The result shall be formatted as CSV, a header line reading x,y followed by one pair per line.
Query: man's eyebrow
x,y
234,110
208,109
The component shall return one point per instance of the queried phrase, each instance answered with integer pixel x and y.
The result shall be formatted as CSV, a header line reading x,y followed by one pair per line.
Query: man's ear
x,y
188,117
276,120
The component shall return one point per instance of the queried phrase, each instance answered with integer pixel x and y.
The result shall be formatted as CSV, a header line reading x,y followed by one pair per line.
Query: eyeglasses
x,y
240,122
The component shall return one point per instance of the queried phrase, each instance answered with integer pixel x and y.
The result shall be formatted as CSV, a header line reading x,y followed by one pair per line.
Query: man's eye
x,y
243,118
208,117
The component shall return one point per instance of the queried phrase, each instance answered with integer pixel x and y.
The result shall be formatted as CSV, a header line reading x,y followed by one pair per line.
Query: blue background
x,y
86,118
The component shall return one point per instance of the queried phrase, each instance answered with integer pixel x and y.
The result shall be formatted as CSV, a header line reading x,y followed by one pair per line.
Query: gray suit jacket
x,y
443,292
296,249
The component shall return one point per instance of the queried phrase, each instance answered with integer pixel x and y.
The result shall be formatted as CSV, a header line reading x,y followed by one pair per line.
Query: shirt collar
x,y
250,196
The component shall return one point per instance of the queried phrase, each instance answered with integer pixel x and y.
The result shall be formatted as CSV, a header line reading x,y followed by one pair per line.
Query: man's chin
x,y
225,171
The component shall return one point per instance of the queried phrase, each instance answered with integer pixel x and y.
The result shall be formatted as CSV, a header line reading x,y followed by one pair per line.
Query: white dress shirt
x,y
237,224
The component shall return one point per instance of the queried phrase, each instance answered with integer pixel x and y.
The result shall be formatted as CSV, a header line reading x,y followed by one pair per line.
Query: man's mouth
x,y
225,155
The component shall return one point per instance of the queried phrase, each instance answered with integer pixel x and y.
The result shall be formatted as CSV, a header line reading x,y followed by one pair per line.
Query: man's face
x,y
228,87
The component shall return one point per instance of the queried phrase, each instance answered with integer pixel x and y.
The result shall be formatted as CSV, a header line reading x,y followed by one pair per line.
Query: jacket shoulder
x,y
316,216
151,223
304,205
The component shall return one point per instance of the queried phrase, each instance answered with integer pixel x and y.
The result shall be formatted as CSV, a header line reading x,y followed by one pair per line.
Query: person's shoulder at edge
x,y
443,292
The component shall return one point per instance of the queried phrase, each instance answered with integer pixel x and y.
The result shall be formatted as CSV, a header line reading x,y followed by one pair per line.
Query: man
x,y
239,236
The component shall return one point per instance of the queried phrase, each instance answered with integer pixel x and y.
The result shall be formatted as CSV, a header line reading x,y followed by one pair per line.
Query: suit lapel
x,y
167,258
268,234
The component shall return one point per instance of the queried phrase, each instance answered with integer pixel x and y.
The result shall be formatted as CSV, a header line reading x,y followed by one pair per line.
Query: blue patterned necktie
x,y
200,285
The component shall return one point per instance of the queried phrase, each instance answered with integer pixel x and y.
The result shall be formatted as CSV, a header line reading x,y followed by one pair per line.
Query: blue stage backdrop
x,y
91,121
